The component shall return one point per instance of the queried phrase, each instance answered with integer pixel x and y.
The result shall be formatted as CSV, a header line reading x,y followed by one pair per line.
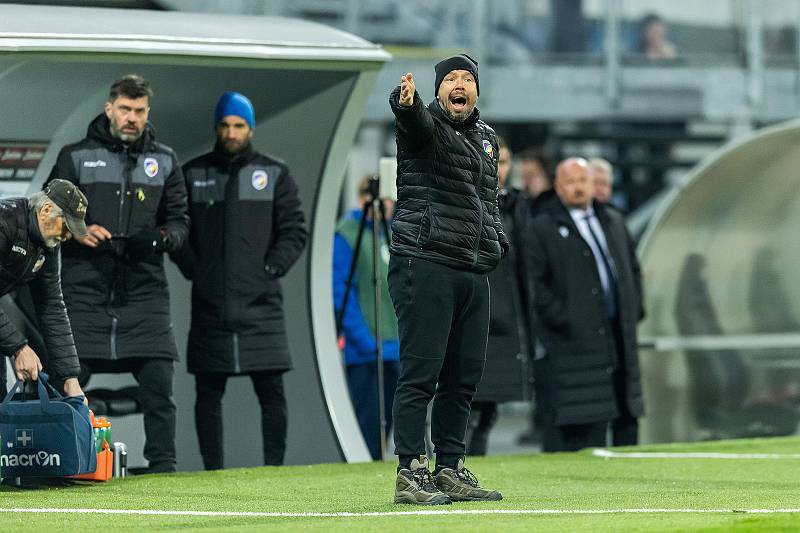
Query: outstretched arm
x,y
414,125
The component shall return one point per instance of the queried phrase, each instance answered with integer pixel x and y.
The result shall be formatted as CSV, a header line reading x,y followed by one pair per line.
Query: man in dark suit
x,y
587,302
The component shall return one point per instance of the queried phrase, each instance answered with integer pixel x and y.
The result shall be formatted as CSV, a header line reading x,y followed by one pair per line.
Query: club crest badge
x,y
259,180
38,264
487,147
151,167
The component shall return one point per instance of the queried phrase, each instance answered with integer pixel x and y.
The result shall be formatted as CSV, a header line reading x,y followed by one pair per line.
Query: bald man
x,y
586,297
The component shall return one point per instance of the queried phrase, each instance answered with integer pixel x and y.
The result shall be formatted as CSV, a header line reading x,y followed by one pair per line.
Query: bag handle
x,y
13,391
42,384
44,380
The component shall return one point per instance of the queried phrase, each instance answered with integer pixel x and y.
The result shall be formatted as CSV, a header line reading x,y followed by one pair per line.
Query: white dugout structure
x,y
720,264
308,83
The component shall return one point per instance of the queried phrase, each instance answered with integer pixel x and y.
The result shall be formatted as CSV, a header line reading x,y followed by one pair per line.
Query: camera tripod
x,y
372,206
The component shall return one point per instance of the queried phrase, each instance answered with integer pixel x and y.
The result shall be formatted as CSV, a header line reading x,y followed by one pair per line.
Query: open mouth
x,y
458,102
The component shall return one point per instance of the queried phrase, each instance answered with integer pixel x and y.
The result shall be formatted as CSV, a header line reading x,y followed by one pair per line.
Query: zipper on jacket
x,y
113,337
232,180
123,189
477,184
120,229
425,214
236,366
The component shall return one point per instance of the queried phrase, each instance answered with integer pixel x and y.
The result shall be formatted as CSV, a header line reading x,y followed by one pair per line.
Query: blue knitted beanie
x,y
237,104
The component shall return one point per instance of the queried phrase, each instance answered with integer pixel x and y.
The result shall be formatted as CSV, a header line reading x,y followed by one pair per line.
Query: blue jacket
x,y
359,340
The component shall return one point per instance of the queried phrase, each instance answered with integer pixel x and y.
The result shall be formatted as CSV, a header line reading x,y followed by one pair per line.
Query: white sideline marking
x,y
600,452
398,513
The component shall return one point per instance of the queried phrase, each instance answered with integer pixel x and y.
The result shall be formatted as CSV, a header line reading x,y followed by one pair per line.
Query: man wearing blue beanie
x,y
247,230
235,104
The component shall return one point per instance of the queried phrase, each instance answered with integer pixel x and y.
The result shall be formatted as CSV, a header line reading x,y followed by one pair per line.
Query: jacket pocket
x,y
424,227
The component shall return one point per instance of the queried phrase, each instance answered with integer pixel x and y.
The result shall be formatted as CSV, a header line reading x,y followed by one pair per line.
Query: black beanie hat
x,y
459,62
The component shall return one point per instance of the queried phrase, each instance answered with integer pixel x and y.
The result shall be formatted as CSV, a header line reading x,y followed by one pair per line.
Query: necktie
x,y
611,290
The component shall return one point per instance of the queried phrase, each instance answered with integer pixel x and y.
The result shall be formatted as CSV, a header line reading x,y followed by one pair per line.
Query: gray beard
x,y
124,137
453,116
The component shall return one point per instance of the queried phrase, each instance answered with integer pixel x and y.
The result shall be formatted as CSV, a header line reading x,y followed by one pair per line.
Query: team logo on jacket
x,y
487,147
38,264
259,180
151,167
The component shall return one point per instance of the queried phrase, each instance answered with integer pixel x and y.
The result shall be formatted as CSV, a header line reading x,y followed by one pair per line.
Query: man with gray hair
x,y
603,177
30,233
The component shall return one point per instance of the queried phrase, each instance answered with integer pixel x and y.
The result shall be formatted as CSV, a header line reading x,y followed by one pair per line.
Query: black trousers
x,y
571,437
443,324
210,388
155,377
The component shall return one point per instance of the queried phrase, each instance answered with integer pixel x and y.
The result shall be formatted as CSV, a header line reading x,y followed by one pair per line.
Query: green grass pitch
x,y
571,483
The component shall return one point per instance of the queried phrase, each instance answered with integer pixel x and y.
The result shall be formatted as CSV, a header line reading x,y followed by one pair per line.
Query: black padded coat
x,y
119,304
25,260
248,229
446,208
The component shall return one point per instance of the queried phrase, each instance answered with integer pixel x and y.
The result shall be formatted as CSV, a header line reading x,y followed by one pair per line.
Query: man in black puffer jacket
x,y
447,235
114,283
30,233
248,229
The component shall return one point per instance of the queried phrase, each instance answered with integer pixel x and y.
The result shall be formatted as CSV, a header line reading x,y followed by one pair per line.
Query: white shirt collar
x,y
580,214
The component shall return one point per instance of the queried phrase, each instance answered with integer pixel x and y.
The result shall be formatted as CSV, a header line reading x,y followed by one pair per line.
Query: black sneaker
x,y
416,486
462,486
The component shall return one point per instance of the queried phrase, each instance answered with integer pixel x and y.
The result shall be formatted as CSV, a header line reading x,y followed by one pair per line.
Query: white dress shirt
x,y
582,219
